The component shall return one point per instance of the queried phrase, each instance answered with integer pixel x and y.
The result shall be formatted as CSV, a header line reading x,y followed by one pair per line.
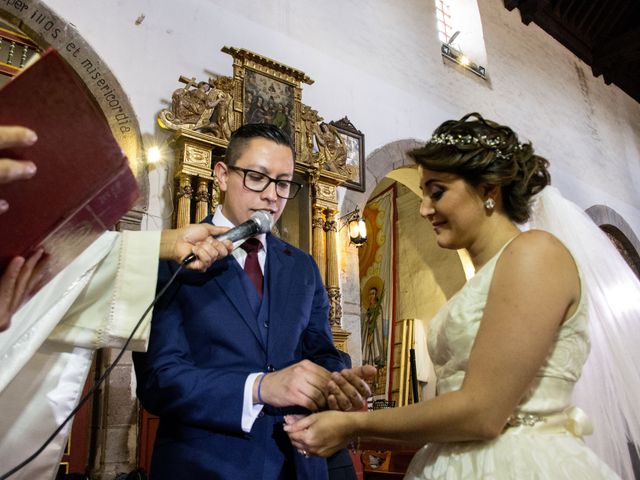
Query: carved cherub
x,y
187,105
219,122
332,149
308,125
199,106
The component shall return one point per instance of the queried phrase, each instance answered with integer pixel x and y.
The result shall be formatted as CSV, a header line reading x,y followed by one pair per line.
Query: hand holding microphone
x,y
259,222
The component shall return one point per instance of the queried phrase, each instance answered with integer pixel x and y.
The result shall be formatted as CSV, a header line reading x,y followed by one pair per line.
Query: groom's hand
x,y
303,384
348,389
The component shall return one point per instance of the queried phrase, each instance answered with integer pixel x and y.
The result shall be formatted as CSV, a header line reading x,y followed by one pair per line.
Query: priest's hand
x,y
197,239
16,284
12,170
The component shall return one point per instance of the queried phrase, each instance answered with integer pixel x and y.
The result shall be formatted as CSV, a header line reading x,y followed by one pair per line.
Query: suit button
x,y
266,324
271,368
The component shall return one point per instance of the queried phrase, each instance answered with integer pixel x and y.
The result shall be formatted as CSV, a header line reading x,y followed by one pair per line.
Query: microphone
x,y
259,222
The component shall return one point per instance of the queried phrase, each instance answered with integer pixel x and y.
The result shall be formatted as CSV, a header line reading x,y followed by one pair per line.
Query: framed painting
x,y
267,91
267,100
353,139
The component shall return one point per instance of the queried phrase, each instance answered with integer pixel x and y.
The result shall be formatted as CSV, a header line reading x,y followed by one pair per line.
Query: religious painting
x,y
353,141
267,100
267,91
377,272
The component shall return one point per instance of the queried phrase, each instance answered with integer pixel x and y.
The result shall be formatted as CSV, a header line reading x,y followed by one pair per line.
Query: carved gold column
x,y
325,198
194,152
202,199
318,239
325,204
332,283
184,194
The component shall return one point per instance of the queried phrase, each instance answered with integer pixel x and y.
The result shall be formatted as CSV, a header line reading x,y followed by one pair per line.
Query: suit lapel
x,y
230,283
279,280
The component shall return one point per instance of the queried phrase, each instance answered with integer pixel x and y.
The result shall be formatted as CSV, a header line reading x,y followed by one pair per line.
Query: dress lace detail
x,y
530,447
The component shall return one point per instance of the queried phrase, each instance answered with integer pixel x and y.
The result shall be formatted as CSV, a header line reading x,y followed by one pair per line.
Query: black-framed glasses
x,y
258,182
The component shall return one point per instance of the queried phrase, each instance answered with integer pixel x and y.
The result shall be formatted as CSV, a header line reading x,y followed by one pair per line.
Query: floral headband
x,y
470,140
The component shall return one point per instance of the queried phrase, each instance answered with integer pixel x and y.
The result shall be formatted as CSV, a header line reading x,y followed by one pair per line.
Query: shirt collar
x,y
221,221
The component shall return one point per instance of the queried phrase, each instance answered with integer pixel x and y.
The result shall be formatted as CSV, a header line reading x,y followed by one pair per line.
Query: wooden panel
x,y
394,465
148,429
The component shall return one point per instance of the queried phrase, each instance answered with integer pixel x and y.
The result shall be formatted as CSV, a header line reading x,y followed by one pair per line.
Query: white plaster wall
x,y
429,275
378,62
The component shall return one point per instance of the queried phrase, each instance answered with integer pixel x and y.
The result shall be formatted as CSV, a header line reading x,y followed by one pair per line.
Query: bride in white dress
x,y
507,348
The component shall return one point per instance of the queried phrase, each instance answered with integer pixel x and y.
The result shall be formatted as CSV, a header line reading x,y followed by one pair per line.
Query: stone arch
x,y
620,233
377,165
46,28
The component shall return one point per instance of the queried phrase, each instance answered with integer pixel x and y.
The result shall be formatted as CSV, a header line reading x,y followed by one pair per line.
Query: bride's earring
x,y
489,203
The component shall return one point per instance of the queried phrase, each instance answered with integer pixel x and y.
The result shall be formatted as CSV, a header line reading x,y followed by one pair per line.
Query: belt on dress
x,y
572,419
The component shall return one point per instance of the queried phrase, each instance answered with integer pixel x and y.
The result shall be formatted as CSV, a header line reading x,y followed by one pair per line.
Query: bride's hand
x,y
321,434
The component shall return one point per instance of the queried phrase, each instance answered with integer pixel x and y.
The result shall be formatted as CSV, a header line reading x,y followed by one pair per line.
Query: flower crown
x,y
470,140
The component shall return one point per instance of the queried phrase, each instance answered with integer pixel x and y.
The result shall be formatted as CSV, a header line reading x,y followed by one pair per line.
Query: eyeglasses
x,y
258,182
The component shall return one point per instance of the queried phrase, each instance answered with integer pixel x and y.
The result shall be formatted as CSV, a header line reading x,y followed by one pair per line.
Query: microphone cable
x,y
102,378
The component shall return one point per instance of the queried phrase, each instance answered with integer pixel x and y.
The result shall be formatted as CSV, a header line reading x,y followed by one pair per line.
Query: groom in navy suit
x,y
234,349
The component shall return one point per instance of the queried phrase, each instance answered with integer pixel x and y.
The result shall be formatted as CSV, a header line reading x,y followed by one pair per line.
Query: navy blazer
x,y
205,340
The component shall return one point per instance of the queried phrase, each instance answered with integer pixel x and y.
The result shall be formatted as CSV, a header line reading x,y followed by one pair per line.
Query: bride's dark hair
x,y
484,152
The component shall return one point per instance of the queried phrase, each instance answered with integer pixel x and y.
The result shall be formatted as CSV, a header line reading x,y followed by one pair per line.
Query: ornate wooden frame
x,y
244,61
355,157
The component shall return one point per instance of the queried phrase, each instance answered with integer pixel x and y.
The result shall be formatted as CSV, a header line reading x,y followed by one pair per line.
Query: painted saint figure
x,y
372,327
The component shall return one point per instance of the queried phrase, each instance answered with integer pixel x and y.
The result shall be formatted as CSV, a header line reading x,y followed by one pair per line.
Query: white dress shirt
x,y
249,411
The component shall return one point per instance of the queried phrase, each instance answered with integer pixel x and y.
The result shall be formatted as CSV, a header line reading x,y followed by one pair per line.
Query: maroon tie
x,y
251,265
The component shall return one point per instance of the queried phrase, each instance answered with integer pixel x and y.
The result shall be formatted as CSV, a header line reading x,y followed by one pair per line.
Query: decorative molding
x,y
195,155
345,124
273,68
326,193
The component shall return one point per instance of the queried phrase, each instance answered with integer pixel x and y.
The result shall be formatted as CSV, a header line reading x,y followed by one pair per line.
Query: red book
x,y
83,184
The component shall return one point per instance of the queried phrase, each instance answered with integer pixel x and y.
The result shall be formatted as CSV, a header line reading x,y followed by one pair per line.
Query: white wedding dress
x,y
543,437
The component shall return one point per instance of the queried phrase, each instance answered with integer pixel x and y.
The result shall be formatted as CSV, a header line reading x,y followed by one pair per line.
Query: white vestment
x,y
47,352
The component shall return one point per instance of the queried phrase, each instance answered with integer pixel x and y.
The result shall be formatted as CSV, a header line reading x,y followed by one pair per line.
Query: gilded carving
x,y
215,194
332,150
269,66
318,218
206,107
335,309
326,192
309,119
318,222
221,122
330,226
202,195
194,155
184,191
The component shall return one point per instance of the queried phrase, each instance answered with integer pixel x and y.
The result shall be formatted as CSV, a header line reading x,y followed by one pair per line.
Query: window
x,y
460,31
443,14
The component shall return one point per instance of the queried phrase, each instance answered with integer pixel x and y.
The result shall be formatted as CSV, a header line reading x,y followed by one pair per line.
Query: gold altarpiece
x,y
204,113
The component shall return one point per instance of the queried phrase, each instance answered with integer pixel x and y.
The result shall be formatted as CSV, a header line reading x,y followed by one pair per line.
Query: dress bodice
x,y
454,328
543,436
